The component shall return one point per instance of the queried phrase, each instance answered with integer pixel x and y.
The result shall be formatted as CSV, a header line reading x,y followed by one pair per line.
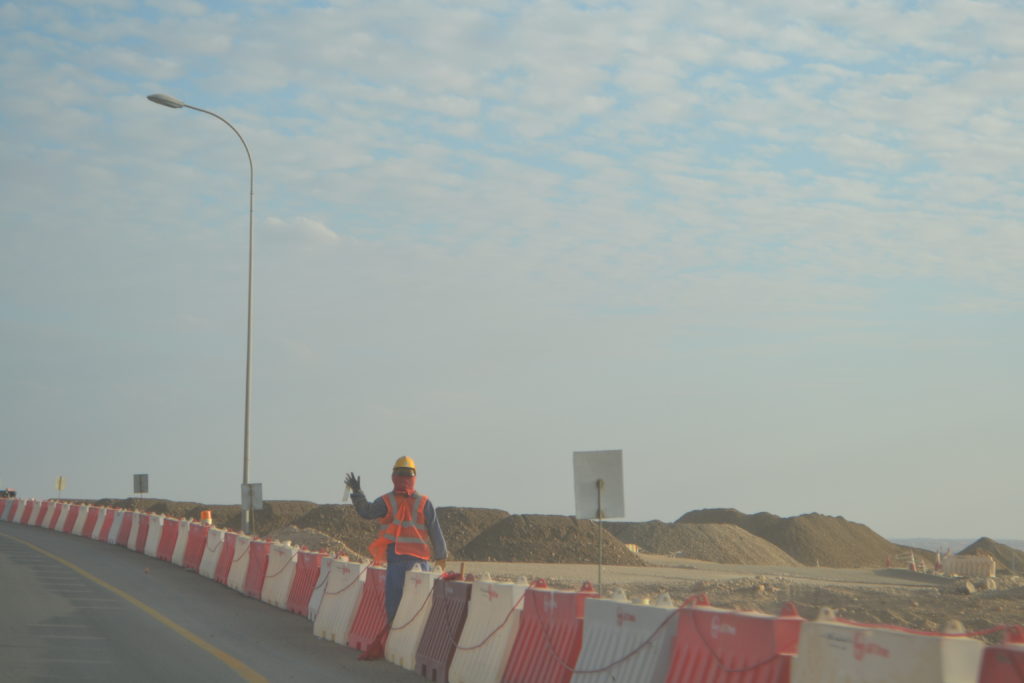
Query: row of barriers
x,y
451,628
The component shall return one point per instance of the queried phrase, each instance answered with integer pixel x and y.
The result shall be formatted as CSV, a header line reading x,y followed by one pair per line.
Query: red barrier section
x,y
41,510
195,546
108,521
141,522
3,508
307,573
168,539
444,627
718,646
550,635
55,516
72,517
92,515
259,555
26,512
371,617
225,559
1004,663
126,528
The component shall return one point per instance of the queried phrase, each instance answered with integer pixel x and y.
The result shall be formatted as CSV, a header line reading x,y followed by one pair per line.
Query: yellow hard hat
x,y
404,461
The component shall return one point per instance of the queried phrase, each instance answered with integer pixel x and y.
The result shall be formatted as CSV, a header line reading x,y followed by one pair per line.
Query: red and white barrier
x,y
411,618
448,609
492,623
720,646
168,539
370,617
58,521
6,507
92,517
154,534
1004,663
342,590
124,534
550,635
83,513
52,515
256,572
211,552
238,563
305,581
68,524
277,580
40,514
140,532
834,651
25,510
195,547
181,542
114,530
226,558
626,642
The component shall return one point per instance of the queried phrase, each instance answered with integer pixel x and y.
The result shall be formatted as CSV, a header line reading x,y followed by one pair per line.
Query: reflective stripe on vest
x,y
401,527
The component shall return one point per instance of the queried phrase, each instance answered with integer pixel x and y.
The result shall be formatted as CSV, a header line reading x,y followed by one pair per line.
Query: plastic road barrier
x,y
834,651
57,523
25,511
115,527
370,617
972,566
257,569
1004,663
195,547
83,512
411,618
106,521
154,535
448,609
52,515
92,516
140,531
132,520
68,523
125,532
277,581
304,581
6,507
211,552
550,635
719,646
40,514
317,596
224,561
492,623
168,539
181,542
342,590
626,642
238,561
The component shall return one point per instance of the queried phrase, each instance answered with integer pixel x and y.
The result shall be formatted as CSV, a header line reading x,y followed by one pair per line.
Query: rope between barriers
x,y
278,572
361,572
718,659
244,553
497,628
413,617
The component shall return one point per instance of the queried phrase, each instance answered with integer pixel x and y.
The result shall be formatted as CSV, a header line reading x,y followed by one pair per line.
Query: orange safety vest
x,y
405,525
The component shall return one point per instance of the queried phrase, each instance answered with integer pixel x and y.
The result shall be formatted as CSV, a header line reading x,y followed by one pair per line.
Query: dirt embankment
x,y
722,543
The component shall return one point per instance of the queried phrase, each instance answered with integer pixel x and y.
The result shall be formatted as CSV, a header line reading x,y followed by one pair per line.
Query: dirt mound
x,y
343,523
462,525
1007,558
722,543
812,539
314,540
547,538
275,513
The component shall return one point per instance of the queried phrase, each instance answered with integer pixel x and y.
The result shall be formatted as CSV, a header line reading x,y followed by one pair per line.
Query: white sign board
x,y
589,468
141,483
252,496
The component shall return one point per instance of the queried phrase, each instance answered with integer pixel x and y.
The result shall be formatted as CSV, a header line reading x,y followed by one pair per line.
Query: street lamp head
x,y
166,100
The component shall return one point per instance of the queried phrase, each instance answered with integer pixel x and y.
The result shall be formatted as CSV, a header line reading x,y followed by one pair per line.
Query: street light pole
x,y
174,103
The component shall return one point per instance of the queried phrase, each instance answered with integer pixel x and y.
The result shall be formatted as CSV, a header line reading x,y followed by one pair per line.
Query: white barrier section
x,y
178,555
281,561
614,633
12,511
83,512
51,514
492,622
156,530
972,566
97,531
211,553
38,514
115,528
411,618
62,517
344,587
136,519
836,652
239,563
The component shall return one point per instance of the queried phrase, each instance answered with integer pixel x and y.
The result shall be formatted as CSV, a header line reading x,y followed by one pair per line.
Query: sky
x,y
772,251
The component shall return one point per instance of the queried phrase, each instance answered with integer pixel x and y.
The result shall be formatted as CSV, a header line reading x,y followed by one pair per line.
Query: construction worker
x,y
409,534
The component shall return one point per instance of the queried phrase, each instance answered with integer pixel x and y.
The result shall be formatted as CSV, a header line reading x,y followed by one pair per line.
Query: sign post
x,y
599,492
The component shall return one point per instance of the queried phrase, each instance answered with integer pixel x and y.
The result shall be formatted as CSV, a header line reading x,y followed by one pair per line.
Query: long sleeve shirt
x,y
378,508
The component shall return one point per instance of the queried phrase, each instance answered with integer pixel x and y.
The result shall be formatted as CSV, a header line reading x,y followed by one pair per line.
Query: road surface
x,y
74,609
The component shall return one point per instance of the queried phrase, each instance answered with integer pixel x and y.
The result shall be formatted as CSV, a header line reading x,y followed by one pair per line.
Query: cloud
x,y
302,229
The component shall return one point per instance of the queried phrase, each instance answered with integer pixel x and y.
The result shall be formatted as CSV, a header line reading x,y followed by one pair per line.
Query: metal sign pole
x,y
600,535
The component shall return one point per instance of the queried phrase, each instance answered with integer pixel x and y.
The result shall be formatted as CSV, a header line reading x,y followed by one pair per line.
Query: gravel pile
x,y
462,525
312,539
722,543
547,538
812,539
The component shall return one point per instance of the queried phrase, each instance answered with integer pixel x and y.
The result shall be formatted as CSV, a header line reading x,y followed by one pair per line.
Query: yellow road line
x,y
237,665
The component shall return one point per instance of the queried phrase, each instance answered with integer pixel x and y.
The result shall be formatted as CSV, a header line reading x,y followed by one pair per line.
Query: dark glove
x,y
352,481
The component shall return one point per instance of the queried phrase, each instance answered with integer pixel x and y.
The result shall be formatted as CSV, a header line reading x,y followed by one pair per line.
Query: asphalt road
x,y
74,609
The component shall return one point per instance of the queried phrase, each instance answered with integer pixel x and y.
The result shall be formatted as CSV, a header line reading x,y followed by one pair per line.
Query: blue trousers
x,y
394,580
